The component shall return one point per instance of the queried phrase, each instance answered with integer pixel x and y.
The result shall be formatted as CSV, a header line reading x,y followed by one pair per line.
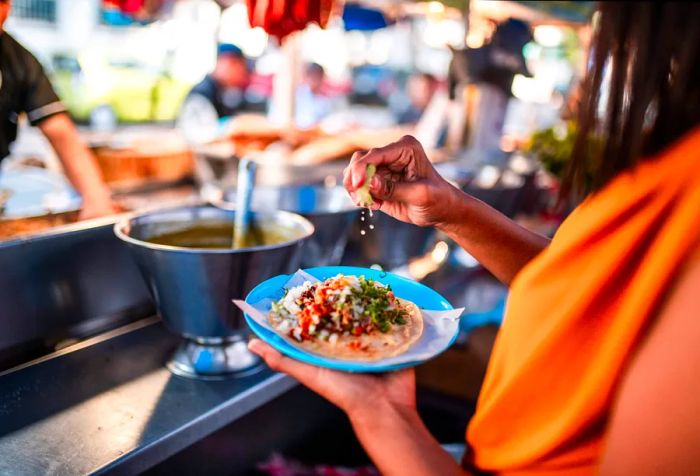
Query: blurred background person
x,y
312,102
25,89
491,69
220,95
420,88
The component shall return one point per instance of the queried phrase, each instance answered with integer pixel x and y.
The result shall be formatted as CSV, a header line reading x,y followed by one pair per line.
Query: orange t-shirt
x,y
576,313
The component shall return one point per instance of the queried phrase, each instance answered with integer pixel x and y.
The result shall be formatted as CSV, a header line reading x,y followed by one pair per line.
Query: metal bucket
x,y
193,287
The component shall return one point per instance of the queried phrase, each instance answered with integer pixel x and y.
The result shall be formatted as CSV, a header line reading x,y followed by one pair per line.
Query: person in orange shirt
x,y
596,368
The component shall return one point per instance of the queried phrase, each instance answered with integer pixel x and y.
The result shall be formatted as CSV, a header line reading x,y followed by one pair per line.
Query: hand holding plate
x,y
351,392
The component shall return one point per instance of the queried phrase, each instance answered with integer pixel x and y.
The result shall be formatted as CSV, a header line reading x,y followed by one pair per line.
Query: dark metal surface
x,y
295,421
67,283
302,426
390,243
110,406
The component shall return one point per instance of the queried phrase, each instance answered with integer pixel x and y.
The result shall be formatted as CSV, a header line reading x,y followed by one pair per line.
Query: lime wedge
x,y
364,197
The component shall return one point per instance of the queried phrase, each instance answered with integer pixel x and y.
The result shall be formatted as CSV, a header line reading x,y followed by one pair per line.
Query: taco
x,y
347,318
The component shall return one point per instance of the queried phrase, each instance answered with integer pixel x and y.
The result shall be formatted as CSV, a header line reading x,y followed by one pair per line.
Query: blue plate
x,y
422,296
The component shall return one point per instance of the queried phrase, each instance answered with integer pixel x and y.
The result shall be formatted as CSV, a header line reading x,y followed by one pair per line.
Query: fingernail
x,y
375,184
255,346
357,181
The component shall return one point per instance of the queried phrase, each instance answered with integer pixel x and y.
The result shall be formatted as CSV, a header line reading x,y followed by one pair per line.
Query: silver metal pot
x,y
216,169
193,287
390,243
329,209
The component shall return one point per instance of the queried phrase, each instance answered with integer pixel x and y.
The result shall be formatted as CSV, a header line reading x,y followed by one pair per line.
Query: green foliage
x,y
554,147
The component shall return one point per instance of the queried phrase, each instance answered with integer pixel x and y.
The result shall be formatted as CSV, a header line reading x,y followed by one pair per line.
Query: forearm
x,y
498,243
78,162
399,443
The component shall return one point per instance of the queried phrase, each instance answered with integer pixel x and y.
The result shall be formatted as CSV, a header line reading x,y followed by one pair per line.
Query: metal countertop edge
x,y
97,339
144,457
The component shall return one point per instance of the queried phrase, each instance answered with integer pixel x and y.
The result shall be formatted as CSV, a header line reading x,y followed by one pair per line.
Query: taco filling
x,y
347,317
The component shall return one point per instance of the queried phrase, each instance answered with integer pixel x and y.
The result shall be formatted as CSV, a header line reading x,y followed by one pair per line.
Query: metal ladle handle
x,y
244,195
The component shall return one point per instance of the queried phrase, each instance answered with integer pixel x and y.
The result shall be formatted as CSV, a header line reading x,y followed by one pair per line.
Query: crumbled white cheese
x,y
353,281
293,294
333,339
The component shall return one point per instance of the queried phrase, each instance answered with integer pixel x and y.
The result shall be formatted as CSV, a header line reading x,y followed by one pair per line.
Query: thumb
x,y
386,189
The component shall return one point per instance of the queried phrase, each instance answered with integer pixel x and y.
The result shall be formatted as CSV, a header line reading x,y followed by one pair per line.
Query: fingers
x,y
347,173
395,157
382,186
385,187
360,161
327,383
302,372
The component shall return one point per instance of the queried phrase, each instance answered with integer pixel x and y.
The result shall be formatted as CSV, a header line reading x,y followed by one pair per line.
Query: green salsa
x,y
220,236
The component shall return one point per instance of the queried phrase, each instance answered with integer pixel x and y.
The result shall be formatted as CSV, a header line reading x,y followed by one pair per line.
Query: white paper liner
x,y
439,327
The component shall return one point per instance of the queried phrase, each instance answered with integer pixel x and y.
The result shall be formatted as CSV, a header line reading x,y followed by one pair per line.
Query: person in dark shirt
x,y
419,89
219,95
25,89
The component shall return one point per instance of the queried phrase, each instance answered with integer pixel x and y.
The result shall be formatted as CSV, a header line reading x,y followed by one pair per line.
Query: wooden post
x,y
285,82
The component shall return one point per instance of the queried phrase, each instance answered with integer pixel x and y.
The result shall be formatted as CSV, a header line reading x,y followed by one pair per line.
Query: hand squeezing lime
x,y
364,198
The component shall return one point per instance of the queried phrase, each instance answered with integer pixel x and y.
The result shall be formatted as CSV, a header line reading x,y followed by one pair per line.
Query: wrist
x,y
377,413
98,194
454,208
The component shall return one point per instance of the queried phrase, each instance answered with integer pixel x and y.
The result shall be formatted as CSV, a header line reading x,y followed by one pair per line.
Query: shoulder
x,y
655,423
18,62
14,49
679,309
206,87
680,302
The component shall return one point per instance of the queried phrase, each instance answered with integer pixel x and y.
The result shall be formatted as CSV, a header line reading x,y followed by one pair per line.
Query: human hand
x,y
405,185
97,206
356,394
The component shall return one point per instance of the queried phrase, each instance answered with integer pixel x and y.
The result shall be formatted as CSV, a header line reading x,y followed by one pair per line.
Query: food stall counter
x,y
108,405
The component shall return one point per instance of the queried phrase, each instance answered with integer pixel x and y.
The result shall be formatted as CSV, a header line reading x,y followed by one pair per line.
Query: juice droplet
x,y
370,213
371,227
363,232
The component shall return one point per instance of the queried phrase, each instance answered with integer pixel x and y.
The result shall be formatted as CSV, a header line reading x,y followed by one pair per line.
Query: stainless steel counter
x,y
108,405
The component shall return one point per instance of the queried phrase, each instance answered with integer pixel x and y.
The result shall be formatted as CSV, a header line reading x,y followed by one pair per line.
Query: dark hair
x,y
315,69
652,51
230,49
429,78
